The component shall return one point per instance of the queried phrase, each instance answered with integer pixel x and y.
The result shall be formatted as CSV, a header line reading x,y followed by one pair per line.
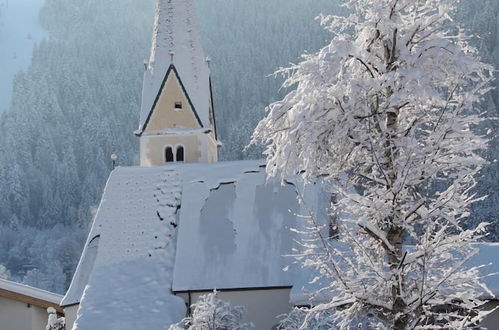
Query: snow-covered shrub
x,y
211,313
54,322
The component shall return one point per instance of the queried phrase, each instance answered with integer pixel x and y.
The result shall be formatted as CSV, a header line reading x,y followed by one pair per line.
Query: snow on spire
x,y
176,40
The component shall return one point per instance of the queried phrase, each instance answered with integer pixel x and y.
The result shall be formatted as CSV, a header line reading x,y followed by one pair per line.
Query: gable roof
x,y
171,70
135,258
30,295
176,32
126,266
192,227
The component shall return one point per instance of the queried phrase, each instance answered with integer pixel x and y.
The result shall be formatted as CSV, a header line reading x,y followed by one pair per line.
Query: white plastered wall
x,y
198,147
70,314
16,315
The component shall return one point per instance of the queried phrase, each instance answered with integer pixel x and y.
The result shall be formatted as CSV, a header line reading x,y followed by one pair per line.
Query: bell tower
x,y
177,122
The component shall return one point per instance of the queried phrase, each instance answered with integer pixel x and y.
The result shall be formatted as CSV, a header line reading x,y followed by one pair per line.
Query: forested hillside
x,y
79,102
75,105
482,19
20,30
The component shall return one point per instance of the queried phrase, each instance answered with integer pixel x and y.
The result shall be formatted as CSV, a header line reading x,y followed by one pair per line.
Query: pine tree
x,y
388,108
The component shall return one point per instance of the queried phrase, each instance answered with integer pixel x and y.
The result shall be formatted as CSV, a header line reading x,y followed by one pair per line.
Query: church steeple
x,y
176,119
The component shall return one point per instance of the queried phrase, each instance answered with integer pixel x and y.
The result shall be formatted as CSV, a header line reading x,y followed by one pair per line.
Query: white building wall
x,y
70,313
262,307
39,318
16,315
198,148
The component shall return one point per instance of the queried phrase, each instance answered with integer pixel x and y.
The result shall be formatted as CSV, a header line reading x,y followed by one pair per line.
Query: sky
x,y
20,30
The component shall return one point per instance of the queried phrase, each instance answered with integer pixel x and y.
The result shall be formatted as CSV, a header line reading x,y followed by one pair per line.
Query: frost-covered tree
x,y
388,108
212,313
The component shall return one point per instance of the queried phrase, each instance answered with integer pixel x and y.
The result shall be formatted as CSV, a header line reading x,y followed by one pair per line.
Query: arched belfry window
x,y
180,154
169,154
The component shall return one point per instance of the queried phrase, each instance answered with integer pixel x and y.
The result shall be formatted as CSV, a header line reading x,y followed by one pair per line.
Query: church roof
x,y
193,227
176,41
234,229
181,227
126,267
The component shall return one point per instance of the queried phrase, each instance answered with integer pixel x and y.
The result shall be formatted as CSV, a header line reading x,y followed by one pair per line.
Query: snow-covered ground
x,y
20,30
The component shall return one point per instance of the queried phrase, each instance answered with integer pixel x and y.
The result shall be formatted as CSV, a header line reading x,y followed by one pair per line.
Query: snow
x,y
126,266
19,32
234,228
30,291
176,35
130,295
233,232
210,312
54,322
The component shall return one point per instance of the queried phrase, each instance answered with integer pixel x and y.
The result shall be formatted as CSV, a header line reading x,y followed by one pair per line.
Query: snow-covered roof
x,y
226,224
126,267
29,291
189,227
234,228
176,41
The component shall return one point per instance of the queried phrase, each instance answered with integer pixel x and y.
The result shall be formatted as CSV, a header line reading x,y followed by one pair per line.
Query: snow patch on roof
x,y
176,41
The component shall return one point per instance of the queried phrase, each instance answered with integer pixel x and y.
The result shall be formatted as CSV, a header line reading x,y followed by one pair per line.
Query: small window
x,y
169,154
178,106
180,154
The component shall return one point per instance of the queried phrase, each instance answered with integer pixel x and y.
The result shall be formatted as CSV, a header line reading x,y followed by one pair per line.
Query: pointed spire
x,y
176,41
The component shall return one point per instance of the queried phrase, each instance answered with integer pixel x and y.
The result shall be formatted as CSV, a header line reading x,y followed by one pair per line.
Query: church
x,y
183,224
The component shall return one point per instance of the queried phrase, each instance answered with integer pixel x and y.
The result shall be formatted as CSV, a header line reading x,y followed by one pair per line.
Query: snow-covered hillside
x,y
20,30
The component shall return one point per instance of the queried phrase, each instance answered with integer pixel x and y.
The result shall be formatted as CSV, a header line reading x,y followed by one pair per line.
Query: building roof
x,y
29,294
126,267
234,228
176,33
194,227
232,233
